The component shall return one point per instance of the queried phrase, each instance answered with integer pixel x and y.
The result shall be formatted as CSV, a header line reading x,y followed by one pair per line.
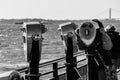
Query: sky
x,y
58,9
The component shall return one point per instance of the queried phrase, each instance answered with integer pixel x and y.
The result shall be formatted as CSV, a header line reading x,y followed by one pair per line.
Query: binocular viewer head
x,y
86,32
68,27
32,31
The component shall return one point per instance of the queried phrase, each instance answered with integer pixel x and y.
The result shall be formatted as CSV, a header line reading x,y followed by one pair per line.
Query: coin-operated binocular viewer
x,y
68,28
32,37
69,39
92,38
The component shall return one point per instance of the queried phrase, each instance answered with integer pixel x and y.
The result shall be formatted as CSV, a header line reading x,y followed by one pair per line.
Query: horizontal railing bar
x,y
77,62
21,70
58,60
82,60
83,65
46,73
50,62
60,68
79,54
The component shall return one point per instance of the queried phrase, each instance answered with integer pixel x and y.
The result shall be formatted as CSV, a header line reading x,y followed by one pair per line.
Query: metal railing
x,y
56,68
57,73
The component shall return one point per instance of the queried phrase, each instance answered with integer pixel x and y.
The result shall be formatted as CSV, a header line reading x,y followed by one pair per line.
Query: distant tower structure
x,y
110,13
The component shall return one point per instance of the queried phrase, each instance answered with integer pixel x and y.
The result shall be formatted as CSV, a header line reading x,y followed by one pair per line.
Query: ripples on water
x,y
11,46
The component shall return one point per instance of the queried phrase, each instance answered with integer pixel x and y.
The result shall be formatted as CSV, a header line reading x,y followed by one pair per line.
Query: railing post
x,y
26,72
55,71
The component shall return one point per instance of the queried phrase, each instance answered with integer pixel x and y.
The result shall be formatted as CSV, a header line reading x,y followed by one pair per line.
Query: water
x,y
11,46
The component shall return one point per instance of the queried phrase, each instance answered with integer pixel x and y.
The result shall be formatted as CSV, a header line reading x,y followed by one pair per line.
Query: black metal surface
x,y
34,60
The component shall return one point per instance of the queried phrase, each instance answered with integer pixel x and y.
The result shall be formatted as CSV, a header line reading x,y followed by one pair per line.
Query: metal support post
x,y
34,60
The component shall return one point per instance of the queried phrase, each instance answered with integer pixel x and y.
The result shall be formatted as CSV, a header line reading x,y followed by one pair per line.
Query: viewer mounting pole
x,y
69,59
71,70
32,37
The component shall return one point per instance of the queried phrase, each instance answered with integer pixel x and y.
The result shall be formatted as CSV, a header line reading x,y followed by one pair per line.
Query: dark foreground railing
x,y
56,69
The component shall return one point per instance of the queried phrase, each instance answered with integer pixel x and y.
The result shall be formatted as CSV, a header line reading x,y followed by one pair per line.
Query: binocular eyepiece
x,y
36,36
